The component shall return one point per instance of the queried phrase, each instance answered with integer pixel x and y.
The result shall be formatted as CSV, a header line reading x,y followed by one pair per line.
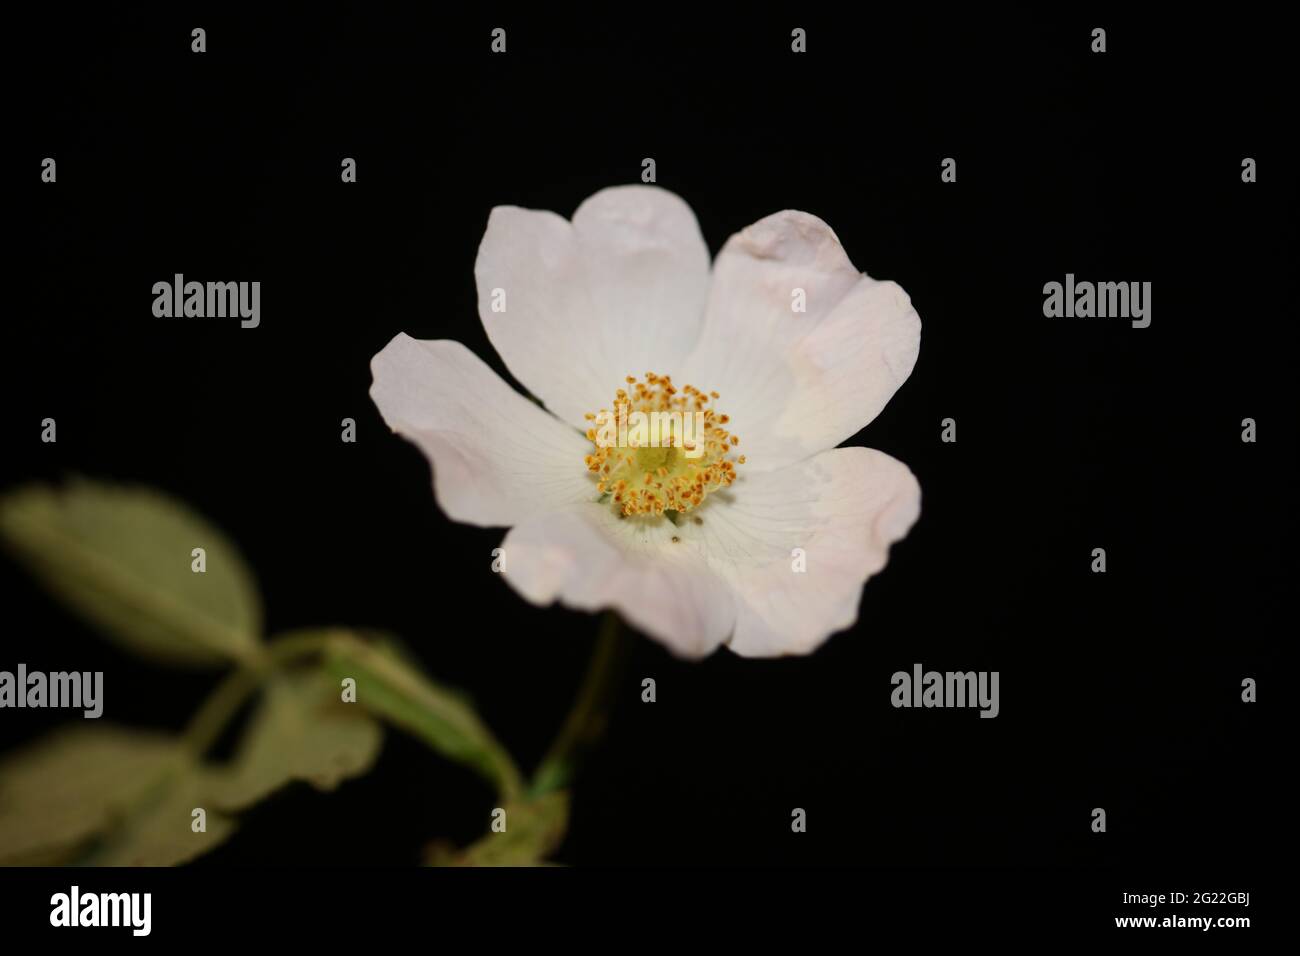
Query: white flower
x,y
765,554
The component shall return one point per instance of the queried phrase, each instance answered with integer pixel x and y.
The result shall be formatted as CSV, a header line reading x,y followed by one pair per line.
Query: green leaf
x,y
121,556
161,830
534,830
301,730
105,796
392,688
61,795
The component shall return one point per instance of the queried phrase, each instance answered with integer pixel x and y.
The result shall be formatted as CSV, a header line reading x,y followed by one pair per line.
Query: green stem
x,y
218,709
229,696
294,647
585,724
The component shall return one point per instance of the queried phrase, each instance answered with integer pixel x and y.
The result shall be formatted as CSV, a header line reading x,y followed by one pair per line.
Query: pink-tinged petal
x,y
729,577
842,509
619,291
796,383
588,559
497,457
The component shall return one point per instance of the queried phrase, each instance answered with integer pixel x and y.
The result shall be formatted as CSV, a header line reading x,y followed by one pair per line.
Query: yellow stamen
x,y
670,469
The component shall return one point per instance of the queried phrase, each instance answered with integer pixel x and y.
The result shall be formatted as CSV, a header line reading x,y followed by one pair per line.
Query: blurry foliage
x,y
121,557
300,731
535,828
103,795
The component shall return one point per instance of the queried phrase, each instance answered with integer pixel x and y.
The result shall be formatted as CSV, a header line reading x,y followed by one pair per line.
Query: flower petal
x,y
795,383
843,508
589,560
497,458
619,291
732,572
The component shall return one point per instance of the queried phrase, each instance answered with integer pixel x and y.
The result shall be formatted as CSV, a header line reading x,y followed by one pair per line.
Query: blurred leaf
x,y
392,687
301,730
121,556
534,830
61,793
160,832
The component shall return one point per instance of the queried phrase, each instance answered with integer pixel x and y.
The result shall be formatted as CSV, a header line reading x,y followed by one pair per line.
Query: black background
x,y
1119,690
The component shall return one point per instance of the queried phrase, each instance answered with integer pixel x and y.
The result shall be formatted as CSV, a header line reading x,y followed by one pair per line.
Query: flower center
x,y
661,450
